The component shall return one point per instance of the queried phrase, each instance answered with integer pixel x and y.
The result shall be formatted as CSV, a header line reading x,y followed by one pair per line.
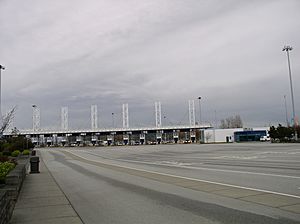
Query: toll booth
x,y
49,141
35,140
158,137
125,139
175,136
54,139
94,140
63,140
142,138
66,139
110,139
192,135
78,140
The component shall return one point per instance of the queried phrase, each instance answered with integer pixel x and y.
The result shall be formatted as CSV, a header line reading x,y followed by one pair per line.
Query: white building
x,y
226,135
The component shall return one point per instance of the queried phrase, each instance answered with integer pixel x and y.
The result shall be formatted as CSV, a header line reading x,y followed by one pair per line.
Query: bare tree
x,y
223,124
232,122
237,122
6,120
208,137
15,132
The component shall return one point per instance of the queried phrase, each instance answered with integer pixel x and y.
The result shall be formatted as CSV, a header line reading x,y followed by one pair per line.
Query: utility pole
x,y
286,113
288,49
215,126
113,120
36,118
199,99
1,68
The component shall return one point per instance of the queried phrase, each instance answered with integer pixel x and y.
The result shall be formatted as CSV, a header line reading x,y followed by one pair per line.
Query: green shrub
x,y
18,143
15,153
6,153
5,167
5,146
26,152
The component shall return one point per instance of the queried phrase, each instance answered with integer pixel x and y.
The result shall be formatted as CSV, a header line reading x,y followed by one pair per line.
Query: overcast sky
x,y
108,52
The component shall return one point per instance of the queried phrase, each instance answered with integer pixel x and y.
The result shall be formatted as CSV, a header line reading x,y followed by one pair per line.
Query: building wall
x,y
225,135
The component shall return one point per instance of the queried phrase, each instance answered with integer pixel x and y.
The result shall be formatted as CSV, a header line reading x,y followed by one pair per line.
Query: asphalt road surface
x,y
223,183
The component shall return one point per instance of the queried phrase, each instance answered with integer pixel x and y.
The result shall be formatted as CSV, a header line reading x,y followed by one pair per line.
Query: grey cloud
x,y
111,52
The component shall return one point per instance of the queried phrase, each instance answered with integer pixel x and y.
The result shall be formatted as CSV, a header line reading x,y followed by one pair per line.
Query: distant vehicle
x,y
265,138
187,142
103,143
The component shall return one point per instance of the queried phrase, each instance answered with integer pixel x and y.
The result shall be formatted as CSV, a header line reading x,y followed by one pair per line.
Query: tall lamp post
x,y
199,98
1,68
113,120
200,135
286,113
288,49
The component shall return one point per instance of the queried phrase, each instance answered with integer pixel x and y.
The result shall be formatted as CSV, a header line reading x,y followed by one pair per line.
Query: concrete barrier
x,y
5,207
9,192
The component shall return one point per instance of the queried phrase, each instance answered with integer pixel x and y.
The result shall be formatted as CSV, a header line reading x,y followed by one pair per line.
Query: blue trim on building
x,y
249,136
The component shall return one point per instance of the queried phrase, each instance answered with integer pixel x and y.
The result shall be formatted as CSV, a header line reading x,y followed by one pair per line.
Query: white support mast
x,y
64,118
36,118
125,115
192,112
157,114
94,117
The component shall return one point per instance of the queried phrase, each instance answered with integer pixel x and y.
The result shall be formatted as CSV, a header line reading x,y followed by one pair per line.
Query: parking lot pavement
x,y
271,199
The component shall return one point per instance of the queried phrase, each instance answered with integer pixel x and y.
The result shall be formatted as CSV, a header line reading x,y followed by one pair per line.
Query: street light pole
x,y
113,120
286,113
1,68
199,98
288,49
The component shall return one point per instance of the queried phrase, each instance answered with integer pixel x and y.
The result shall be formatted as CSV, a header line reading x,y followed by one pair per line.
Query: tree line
x,y
232,122
283,134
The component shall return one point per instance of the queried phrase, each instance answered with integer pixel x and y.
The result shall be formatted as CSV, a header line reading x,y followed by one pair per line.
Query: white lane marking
x,y
187,166
290,152
211,169
240,157
174,163
188,178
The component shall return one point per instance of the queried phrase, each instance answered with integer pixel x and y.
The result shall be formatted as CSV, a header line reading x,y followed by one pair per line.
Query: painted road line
x,y
211,169
196,168
277,200
121,167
